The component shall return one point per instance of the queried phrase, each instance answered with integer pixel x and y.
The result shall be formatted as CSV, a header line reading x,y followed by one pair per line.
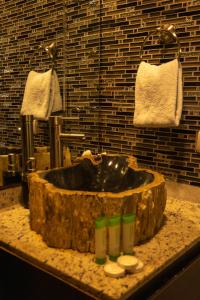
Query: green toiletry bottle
x,y
114,229
100,240
128,233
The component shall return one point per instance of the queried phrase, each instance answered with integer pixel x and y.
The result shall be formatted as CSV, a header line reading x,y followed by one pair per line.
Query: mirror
x,y
81,56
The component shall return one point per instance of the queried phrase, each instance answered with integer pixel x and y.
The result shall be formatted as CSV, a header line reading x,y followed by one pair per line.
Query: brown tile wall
x,y
100,57
82,69
123,26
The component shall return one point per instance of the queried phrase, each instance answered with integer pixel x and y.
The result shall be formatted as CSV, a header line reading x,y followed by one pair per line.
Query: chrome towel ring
x,y
50,50
167,35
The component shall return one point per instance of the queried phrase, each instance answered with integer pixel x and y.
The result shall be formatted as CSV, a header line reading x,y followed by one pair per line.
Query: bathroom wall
x,y
82,52
123,26
102,40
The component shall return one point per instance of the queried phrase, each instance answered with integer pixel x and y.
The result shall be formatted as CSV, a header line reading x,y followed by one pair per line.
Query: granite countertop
x,y
180,231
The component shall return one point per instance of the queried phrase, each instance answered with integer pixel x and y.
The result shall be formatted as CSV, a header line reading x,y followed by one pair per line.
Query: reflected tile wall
x,y
24,26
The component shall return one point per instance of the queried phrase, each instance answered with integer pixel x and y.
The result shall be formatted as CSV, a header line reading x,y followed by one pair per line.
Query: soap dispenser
x,y
12,176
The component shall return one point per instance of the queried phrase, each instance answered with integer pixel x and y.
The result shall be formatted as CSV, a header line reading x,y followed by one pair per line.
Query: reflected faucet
x,y
56,137
28,161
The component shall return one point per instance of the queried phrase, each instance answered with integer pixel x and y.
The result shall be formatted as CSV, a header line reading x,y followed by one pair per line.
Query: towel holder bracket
x,y
167,35
51,50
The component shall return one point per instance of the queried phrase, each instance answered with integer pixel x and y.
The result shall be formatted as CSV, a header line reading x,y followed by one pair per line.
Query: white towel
x,y
158,95
41,95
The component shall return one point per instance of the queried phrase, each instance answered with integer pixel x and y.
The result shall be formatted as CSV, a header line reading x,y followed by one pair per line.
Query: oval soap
x,y
114,270
127,262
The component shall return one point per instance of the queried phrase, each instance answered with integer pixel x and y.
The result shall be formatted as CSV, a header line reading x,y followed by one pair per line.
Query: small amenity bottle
x,y
100,240
114,229
128,233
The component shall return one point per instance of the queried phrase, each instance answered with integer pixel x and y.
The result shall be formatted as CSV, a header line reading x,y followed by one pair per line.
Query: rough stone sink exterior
x,y
65,202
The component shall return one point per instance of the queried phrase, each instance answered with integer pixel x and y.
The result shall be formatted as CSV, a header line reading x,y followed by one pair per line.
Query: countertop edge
x,y
49,270
172,263
187,254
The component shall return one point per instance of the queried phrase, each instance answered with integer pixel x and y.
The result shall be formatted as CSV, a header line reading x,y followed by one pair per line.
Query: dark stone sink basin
x,y
110,174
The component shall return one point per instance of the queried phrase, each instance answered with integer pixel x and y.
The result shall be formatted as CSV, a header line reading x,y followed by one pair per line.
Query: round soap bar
x,y
114,270
139,266
127,262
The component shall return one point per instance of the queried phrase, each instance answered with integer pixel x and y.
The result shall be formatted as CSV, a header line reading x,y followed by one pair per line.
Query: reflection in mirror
x,y
25,26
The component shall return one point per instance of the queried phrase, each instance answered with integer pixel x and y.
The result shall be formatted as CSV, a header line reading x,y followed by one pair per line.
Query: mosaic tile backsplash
x,y
99,43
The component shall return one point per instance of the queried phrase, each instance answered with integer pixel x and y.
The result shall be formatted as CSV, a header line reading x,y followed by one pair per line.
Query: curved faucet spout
x,y
56,137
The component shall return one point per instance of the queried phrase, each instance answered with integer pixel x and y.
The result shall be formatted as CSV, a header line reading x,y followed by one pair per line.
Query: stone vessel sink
x,y
111,174
65,202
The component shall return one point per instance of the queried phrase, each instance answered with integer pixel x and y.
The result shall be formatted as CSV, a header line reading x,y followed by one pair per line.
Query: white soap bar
x,y
114,270
127,262
139,266
86,153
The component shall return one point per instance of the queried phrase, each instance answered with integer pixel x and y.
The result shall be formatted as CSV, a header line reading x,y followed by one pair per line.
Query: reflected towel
x,y
41,95
158,95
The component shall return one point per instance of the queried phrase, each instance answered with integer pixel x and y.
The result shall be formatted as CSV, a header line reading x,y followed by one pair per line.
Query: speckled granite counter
x,y
181,230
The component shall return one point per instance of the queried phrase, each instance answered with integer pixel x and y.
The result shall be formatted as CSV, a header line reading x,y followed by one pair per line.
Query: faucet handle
x,y
68,136
58,120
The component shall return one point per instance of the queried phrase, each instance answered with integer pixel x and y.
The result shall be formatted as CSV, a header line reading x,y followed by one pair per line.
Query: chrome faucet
x,y
56,137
